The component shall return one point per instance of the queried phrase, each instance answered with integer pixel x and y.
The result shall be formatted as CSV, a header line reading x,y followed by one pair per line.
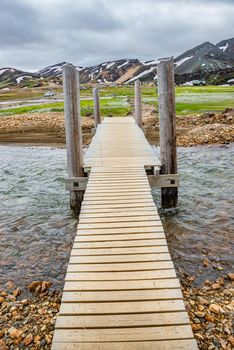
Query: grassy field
x,y
119,100
115,106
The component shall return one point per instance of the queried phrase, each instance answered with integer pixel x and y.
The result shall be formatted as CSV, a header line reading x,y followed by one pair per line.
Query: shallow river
x,y
37,229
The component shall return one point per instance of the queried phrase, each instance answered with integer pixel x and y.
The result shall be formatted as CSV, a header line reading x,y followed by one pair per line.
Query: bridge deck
x,y
120,142
121,290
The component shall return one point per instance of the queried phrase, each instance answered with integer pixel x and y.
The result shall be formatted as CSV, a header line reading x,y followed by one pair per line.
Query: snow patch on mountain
x,y
19,79
150,63
123,64
110,65
9,70
223,48
142,74
183,60
2,71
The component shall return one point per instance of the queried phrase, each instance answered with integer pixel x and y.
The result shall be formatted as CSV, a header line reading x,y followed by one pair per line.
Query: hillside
x,y
11,76
209,62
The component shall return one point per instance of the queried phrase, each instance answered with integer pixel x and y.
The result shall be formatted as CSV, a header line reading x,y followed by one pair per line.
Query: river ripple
x,y
37,229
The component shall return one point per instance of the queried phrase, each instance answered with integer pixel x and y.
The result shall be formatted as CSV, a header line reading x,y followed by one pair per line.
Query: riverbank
x,y
48,128
28,323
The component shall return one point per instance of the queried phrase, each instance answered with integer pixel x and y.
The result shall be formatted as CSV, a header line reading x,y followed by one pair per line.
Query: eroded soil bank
x,y
48,128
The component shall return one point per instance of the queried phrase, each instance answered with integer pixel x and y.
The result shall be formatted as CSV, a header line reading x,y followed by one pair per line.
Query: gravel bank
x,y
48,128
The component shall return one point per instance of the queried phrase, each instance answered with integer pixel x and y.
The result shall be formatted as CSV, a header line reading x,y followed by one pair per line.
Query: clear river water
x,y
37,228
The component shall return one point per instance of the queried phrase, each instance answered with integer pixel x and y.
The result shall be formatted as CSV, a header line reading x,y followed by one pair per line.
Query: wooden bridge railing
x,y
166,106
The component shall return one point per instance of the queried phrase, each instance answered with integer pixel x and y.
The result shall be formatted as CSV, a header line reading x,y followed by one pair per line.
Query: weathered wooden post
x,y
73,135
167,115
97,112
138,103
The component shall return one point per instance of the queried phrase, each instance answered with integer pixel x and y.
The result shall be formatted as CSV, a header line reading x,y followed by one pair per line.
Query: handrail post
x,y
73,132
138,103
167,115
97,112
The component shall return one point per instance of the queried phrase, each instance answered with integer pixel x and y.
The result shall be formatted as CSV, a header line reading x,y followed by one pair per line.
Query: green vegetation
x,y
118,101
114,106
189,99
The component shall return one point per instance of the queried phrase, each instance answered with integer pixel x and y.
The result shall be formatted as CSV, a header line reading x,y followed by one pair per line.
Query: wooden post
x,y
73,131
167,115
138,103
97,112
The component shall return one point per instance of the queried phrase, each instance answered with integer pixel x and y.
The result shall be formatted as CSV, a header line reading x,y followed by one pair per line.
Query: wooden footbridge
x,y
121,291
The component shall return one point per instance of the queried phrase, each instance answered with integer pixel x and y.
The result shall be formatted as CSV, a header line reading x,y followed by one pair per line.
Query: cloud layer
x,y
36,33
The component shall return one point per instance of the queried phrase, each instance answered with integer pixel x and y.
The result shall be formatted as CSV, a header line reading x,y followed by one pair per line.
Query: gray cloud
x,y
19,24
38,33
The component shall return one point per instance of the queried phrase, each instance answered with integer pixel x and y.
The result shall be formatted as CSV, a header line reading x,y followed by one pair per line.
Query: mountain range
x,y
209,62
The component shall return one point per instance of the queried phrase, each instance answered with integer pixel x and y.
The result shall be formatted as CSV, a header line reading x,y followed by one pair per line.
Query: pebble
x,y
199,314
14,332
214,308
28,340
3,345
2,333
23,325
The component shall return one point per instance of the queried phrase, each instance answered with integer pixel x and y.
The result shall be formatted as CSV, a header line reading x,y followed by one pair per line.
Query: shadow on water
x,y
37,229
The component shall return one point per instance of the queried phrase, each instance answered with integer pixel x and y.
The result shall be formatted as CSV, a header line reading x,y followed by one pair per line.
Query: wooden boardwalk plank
x,y
120,276
120,237
119,251
123,334
121,266
100,259
119,214
125,244
183,344
126,218
106,225
121,307
130,295
137,320
123,285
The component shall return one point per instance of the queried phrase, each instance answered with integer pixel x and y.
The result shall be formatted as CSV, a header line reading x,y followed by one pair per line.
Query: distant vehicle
x,y
199,83
49,94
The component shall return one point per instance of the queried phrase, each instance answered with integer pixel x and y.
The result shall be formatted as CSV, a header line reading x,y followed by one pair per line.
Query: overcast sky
x,y
38,33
